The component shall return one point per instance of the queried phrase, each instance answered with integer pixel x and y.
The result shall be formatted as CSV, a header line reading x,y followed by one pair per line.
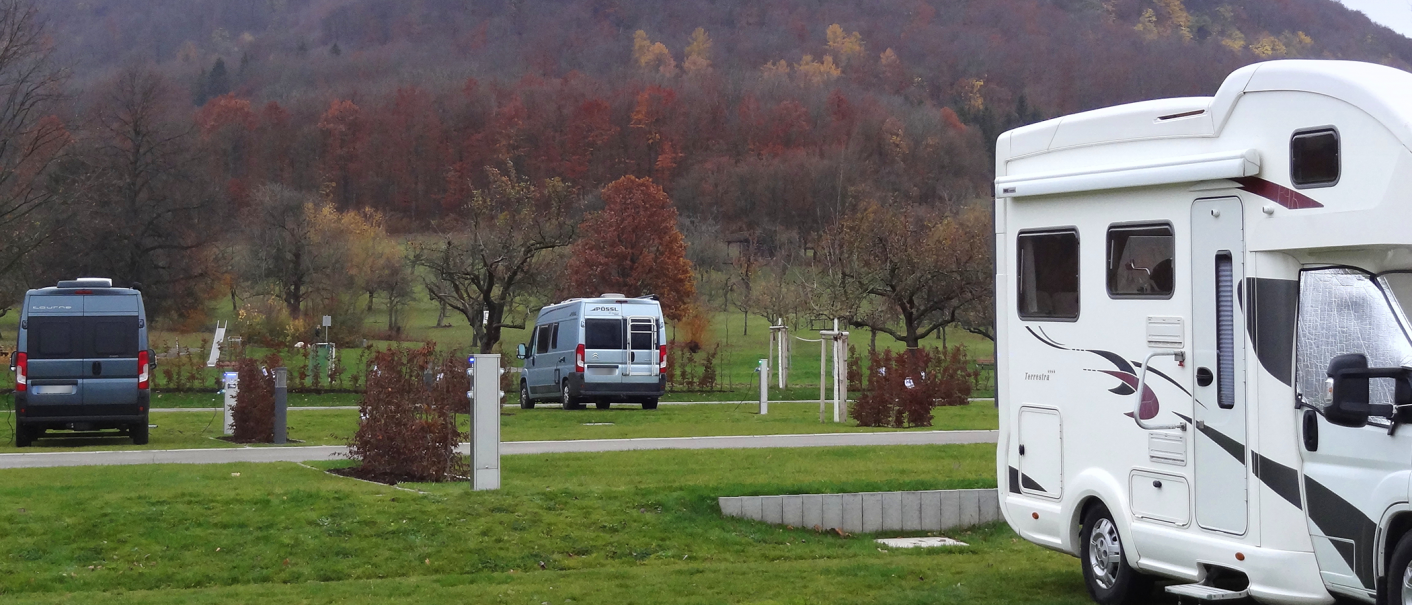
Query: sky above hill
x,y
1395,14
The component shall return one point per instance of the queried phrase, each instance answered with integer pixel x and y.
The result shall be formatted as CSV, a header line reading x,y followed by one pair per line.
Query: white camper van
x,y
1204,341
605,349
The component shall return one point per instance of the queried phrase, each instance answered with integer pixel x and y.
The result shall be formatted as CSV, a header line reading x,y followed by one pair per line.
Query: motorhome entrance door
x,y
1218,355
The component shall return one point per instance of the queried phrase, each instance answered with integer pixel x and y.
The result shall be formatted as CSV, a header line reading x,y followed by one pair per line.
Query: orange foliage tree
x,y
633,246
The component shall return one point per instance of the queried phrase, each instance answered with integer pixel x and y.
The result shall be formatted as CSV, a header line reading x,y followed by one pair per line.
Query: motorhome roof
x,y
638,300
1376,89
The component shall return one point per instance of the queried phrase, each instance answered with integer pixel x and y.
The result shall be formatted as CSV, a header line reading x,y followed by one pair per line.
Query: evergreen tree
x,y
218,80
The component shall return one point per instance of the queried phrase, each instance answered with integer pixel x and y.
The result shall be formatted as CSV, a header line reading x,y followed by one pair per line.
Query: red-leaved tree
x,y
633,246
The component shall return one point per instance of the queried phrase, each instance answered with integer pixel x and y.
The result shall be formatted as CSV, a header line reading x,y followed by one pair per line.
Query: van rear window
x,y
603,334
113,336
82,337
53,338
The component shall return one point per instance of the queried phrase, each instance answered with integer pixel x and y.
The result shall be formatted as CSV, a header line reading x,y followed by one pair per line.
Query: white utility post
x,y
231,382
779,349
840,372
764,371
485,396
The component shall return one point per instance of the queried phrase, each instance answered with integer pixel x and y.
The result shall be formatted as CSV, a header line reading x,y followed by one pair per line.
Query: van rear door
x,y
604,353
54,346
110,381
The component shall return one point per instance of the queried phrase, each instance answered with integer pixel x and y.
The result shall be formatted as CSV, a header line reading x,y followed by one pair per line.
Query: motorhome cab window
x,y
1140,261
1344,311
1314,158
544,341
1049,274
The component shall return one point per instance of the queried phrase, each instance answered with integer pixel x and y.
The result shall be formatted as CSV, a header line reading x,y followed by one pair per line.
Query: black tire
x,y
139,433
526,403
603,405
1110,580
649,404
1399,573
24,436
567,399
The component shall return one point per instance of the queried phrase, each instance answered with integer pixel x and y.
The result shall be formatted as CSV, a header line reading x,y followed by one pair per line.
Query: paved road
x,y
509,448
515,405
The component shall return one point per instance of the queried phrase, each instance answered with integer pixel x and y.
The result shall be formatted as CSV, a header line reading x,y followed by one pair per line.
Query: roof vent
x,y
87,282
613,295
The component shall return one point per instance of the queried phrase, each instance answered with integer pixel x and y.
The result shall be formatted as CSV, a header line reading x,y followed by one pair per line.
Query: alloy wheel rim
x,y
1105,554
1407,585
565,398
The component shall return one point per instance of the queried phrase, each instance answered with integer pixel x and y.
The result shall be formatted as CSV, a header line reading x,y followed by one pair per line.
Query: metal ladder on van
x,y
643,326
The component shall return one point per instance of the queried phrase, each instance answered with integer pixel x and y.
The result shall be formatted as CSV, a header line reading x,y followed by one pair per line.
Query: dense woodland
x,y
269,150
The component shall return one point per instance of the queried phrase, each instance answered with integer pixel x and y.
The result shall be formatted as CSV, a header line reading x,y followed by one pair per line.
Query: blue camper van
x,y
82,362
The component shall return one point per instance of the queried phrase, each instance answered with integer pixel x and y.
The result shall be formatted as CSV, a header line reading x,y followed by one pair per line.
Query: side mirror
x,y
152,358
521,352
1349,393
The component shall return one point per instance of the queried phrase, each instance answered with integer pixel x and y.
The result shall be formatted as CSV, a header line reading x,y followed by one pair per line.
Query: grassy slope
x,y
334,427
631,527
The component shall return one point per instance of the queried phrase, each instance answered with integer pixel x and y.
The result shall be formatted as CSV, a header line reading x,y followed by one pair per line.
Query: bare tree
x,y
495,250
32,140
145,204
919,267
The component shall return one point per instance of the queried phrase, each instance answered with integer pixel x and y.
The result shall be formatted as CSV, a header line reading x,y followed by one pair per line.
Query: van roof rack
x,y
87,282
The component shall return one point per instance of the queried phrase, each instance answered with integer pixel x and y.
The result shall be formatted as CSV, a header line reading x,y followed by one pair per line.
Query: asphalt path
x,y
537,405
509,448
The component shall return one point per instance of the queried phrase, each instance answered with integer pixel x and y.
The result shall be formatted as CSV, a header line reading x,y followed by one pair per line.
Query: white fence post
x,y
485,396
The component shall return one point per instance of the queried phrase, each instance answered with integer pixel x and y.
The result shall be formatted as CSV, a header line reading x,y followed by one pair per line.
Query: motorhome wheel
x,y
24,436
649,404
1110,580
603,405
1399,573
525,402
568,400
139,433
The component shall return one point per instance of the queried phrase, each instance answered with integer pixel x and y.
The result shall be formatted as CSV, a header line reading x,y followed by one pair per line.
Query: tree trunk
x,y
441,316
910,324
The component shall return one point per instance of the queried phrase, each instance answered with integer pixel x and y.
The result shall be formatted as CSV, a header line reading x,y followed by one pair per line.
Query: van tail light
x,y
144,372
21,371
578,359
662,356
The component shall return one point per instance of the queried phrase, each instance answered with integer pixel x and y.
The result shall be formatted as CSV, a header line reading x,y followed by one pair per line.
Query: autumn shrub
x,y
408,413
903,387
690,367
254,412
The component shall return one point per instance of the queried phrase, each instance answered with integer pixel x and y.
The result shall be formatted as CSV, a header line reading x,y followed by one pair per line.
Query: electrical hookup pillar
x,y
232,387
281,405
485,396
764,371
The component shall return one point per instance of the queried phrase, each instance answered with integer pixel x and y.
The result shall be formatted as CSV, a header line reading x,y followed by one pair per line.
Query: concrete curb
x,y
871,512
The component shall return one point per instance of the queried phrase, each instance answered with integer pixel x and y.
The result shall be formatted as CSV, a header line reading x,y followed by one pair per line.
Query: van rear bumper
x,y
59,414
629,390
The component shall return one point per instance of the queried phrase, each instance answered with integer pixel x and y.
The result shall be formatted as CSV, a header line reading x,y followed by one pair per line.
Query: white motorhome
x,y
1202,323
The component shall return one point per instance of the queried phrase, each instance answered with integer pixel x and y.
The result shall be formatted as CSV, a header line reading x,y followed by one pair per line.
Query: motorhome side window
x,y
1314,158
545,334
1141,261
1048,273
554,338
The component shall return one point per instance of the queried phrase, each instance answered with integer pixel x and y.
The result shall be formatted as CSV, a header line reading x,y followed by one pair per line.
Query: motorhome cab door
x,y
1352,476
1218,354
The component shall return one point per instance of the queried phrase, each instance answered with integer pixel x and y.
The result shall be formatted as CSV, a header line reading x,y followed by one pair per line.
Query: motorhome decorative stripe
x,y
1338,518
1278,194
1029,484
1271,326
1235,448
1281,479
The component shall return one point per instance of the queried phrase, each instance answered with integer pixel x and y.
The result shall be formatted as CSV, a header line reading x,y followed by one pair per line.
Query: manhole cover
x,y
918,542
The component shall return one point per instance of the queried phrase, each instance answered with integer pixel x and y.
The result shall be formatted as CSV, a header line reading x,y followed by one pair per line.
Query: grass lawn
x,y
629,527
198,429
